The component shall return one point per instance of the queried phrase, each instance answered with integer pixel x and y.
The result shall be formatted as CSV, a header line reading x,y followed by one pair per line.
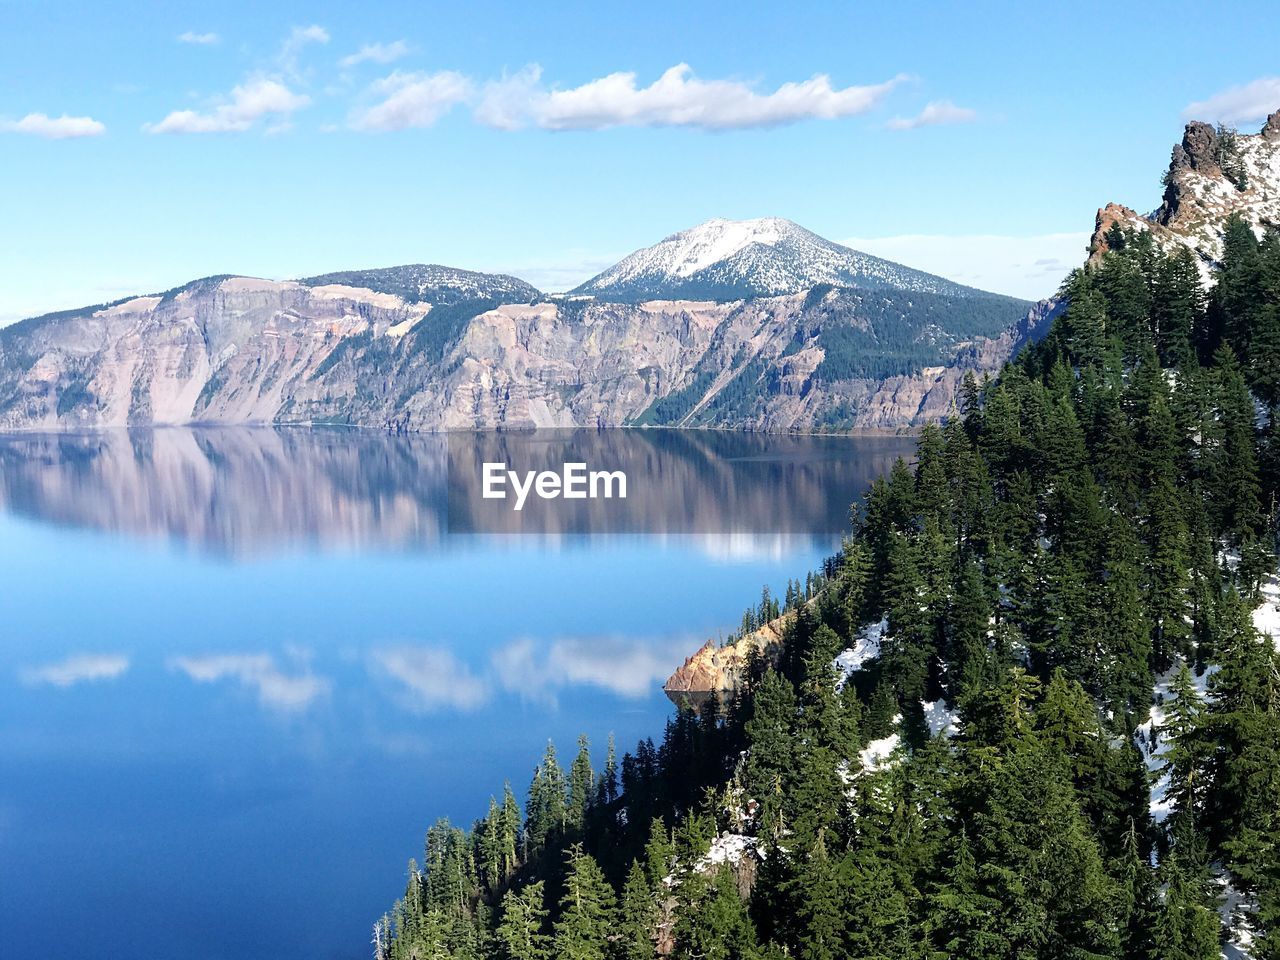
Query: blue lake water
x,y
241,671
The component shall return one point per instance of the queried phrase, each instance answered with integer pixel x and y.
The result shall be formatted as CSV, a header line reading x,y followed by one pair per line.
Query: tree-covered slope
x,y
432,283
1025,713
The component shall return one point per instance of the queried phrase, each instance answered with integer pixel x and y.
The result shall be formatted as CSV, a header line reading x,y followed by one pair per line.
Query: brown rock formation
x,y
1271,130
721,670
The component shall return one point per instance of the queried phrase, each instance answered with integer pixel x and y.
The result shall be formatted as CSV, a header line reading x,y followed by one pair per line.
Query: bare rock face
x,y
720,671
1198,150
1108,217
1271,131
237,350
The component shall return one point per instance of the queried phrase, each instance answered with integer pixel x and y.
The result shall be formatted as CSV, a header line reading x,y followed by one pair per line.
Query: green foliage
x,y
675,406
74,394
432,336
878,334
1230,159
587,911
1102,515
713,923
520,932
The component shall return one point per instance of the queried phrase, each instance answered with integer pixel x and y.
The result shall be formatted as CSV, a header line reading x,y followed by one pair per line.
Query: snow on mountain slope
x,y
739,259
432,283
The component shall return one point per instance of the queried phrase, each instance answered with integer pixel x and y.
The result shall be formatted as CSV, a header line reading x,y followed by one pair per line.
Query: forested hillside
x,y
1024,714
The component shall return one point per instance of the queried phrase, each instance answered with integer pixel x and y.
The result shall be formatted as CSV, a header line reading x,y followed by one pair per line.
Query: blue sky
x,y
145,144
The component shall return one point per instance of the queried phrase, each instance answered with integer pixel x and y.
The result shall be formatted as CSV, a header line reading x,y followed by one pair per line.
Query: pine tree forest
x,y
1062,739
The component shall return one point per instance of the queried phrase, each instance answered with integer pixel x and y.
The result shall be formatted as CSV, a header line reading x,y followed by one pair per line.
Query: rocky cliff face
x,y
721,671
241,350
1212,174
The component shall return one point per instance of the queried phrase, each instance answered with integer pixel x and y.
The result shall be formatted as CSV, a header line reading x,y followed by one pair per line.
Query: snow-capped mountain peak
x,y
689,251
769,256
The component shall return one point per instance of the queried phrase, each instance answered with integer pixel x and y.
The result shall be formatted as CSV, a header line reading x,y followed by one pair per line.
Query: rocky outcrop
x,y
1271,130
1209,178
1198,150
721,670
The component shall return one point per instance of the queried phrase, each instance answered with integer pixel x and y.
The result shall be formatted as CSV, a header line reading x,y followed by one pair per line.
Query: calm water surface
x,y
241,671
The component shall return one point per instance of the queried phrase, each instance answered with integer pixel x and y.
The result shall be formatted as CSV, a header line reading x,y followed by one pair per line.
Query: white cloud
x,y
83,668
432,678
257,672
249,102
1029,267
935,113
562,271
413,100
291,48
508,102
54,128
199,39
1248,103
628,667
301,36
376,53
678,98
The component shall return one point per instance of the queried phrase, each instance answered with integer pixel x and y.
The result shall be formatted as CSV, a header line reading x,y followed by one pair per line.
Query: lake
x,y
243,670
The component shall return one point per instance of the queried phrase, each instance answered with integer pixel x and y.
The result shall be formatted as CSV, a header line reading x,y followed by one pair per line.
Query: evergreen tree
x,y
712,921
637,917
520,931
581,786
1185,752
770,761
961,919
546,812
1187,926
1234,487
587,910
659,855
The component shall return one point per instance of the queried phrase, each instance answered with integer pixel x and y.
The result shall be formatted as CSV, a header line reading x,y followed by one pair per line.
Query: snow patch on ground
x,y
877,753
727,848
866,646
1266,618
941,718
1148,740
1236,910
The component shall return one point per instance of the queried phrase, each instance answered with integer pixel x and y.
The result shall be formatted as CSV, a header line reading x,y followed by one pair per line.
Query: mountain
x,y
741,259
432,283
426,347
1212,174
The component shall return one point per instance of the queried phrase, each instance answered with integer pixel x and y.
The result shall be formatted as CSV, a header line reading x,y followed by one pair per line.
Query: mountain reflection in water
x,y
242,670
247,491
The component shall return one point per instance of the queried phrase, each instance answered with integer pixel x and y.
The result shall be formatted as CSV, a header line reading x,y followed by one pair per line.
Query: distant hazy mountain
x,y
741,259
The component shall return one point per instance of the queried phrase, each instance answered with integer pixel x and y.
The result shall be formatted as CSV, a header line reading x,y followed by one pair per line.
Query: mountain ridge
x,y
423,347
723,259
